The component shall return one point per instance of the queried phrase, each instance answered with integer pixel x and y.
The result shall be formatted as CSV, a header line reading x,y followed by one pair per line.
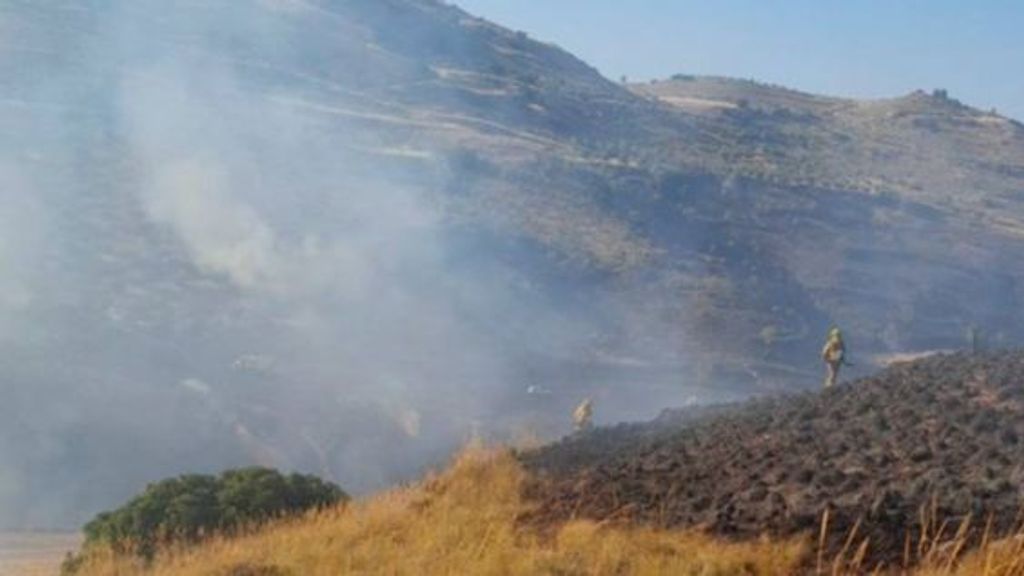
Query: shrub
x,y
187,508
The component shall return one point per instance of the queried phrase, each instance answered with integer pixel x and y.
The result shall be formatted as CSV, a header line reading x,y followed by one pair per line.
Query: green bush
x,y
187,508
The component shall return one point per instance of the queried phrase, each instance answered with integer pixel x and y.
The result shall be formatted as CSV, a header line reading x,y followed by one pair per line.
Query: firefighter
x,y
582,415
834,355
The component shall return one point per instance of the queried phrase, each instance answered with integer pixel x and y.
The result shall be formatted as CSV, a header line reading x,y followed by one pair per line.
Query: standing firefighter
x,y
834,354
582,414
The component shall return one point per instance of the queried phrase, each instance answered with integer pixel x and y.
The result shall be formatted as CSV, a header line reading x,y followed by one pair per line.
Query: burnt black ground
x,y
943,433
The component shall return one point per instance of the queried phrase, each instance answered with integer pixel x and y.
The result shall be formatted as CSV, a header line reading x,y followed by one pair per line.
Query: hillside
x,y
911,471
923,444
911,146
463,520
340,237
467,519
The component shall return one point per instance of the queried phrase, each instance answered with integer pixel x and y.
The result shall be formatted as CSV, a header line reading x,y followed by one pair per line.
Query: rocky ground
x,y
940,435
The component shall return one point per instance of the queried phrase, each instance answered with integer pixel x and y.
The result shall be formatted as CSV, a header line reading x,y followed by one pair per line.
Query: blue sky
x,y
859,48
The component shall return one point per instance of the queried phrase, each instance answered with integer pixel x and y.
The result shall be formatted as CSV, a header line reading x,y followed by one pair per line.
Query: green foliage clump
x,y
187,508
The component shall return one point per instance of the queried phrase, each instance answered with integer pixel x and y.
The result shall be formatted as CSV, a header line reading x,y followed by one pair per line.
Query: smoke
x,y
346,264
21,229
222,234
197,272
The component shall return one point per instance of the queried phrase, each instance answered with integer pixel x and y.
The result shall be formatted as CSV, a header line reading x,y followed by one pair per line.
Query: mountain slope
x,y
926,147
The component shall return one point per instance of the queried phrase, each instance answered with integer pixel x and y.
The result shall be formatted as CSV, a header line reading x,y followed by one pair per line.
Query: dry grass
x,y
464,521
937,550
459,522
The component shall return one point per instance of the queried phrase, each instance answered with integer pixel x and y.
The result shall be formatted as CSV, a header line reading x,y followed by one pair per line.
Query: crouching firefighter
x,y
834,355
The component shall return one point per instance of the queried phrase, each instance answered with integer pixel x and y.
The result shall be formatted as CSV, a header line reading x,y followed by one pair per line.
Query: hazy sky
x,y
862,48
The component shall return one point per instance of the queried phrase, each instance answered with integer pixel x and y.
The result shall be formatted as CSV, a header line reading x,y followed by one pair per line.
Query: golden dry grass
x,y
464,522
460,522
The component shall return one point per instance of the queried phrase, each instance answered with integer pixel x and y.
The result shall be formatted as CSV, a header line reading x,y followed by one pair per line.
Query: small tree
x,y
191,507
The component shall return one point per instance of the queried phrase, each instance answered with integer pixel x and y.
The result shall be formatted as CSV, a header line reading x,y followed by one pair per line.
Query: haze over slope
x,y
342,236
